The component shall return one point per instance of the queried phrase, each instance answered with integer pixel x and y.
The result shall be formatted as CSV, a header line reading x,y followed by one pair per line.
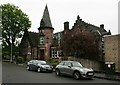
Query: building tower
x,y
45,36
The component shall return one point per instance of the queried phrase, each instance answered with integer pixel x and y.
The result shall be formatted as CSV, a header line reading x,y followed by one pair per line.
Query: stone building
x,y
112,50
82,26
37,45
47,44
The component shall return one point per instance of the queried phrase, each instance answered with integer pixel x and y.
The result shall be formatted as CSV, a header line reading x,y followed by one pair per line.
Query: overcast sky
x,y
95,12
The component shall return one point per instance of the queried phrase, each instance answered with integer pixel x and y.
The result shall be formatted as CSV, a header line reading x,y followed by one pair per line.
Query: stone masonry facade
x,y
112,50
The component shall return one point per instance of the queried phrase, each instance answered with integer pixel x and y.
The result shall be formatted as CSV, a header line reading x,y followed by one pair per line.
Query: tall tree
x,y
14,23
80,44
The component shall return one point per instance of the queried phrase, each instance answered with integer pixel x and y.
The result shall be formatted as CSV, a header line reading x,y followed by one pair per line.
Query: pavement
x,y
107,76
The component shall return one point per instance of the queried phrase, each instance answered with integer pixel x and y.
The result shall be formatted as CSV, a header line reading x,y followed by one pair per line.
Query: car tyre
x,y
76,75
39,70
57,71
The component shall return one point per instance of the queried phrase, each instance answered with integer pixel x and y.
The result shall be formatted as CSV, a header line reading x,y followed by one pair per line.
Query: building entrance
x,y
42,54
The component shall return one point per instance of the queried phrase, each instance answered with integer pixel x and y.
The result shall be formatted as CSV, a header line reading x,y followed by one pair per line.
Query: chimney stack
x,y
66,25
102,26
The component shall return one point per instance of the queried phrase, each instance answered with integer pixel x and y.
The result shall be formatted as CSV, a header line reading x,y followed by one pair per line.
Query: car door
x,y
34,65
68,68
61,67
31,64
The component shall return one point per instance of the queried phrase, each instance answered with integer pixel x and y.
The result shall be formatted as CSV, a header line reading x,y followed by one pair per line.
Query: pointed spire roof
x,y
46,21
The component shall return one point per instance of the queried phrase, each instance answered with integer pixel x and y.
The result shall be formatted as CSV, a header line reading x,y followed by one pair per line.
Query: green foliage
x,y
14,23
19,60
50,60
53,61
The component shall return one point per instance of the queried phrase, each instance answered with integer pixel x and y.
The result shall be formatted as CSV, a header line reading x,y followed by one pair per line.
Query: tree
x,y
14,23
80,43
66,41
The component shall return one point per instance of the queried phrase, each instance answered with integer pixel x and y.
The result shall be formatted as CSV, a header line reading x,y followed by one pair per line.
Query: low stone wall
x,y
88,63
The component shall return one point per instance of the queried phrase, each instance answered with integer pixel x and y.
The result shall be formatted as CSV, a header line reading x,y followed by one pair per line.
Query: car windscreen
x,y
42,62
77,64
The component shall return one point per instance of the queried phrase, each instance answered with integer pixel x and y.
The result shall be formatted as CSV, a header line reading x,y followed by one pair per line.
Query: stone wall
x,y
48,41
88,63
111,50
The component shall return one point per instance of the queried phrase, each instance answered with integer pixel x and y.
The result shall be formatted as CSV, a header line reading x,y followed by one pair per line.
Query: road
x,y
18,74
0,72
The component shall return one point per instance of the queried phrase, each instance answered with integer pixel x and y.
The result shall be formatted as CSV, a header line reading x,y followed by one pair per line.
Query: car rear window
x,y
61,63
76,64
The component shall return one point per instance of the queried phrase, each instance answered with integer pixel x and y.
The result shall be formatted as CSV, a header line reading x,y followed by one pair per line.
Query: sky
x,y
95,12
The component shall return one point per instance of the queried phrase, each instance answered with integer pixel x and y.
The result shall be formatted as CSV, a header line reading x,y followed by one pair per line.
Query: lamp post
x,y
11,51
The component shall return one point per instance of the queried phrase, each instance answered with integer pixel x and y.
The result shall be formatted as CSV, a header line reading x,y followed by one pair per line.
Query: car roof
x,y
38,60
69,61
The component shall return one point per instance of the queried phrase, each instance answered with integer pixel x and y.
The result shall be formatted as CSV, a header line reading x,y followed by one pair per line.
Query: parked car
x,y
39,66
74,69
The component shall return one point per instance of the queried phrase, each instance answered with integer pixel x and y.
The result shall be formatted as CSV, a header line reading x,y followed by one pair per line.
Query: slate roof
x,y
90,27
45,21
33,38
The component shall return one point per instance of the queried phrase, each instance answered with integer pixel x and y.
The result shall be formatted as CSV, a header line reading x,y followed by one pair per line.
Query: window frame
x,y
42,40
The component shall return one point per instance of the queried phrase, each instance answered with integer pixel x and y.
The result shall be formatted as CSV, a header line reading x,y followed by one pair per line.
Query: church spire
x,y
45,21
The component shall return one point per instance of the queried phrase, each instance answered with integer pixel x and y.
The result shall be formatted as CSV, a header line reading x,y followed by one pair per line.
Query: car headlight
x,y
42,67
82,71
51,66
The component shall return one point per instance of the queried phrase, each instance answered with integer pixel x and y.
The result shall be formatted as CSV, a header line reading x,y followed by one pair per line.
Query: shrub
x,y
50,60
56,61
20,59
53,61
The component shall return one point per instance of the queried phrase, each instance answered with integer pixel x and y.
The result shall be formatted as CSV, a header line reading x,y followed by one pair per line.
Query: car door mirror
x,y
69,66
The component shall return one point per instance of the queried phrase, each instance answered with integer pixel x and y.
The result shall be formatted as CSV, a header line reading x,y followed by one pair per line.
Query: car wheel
x,y
76,75
28,68
57,71
38,70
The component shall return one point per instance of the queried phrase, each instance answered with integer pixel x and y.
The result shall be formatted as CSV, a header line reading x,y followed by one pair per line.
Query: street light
x,y
11,51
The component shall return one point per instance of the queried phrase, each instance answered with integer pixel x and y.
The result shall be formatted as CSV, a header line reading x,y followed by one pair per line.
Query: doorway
x,y
42,54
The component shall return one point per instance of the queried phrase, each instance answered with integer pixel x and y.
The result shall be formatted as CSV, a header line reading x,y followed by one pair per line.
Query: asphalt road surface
x,y
0,72
18,74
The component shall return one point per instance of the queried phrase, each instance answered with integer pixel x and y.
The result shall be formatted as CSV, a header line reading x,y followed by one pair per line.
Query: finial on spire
x,y
78,17
46,5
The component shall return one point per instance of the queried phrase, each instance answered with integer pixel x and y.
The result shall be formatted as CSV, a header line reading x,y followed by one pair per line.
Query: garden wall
x,y
96,65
